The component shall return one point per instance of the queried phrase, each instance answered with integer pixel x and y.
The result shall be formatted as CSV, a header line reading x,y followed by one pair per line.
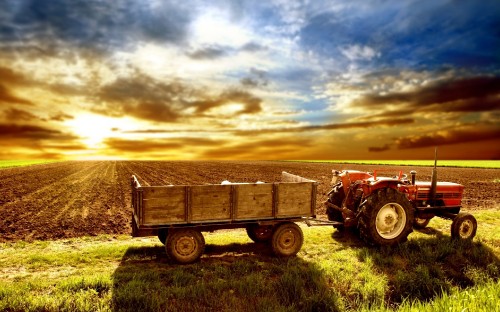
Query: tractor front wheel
x,y
464,226
386,218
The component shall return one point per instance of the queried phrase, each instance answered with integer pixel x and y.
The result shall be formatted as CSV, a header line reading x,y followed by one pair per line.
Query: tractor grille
x,y
439,195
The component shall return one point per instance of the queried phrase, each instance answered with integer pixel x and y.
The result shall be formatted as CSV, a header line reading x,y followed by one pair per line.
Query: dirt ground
x,y
77,198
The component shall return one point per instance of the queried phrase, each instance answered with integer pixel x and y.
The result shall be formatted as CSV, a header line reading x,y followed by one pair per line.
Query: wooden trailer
x,y
179,213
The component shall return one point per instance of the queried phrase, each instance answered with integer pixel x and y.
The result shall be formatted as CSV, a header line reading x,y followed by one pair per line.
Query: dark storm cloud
x,y
475,94
125,145
99,25
471,133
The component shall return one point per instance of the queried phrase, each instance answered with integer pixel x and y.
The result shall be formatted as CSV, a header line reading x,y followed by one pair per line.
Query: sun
x,y
94,129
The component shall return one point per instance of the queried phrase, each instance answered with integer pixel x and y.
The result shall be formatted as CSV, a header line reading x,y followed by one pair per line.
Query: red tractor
x,y
385,210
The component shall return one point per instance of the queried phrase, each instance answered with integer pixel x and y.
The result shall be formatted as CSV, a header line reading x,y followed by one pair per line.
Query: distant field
x,y
19,163
425,163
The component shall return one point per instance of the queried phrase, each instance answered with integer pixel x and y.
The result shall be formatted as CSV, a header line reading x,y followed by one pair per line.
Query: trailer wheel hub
x,y
185,246
390,220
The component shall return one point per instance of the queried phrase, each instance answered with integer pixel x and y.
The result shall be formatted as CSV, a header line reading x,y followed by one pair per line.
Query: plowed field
x,y
76,198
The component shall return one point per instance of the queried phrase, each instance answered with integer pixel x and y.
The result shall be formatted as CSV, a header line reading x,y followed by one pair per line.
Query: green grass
x,y
20,163
332,272
425,163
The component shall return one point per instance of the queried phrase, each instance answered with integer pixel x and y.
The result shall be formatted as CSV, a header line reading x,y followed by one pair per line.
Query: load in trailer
x,y
179,214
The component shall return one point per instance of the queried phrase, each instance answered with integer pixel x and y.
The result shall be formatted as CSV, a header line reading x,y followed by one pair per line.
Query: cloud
x,y
357,52
31,132
7,97
142,97
462,134
208,53
155,145
92,24
256,78
251,104
459,95
376,149
19,115
267,149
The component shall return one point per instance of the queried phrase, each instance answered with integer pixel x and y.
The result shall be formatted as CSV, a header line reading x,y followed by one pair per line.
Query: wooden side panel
x,y
253,201
210,203
294,199
164,204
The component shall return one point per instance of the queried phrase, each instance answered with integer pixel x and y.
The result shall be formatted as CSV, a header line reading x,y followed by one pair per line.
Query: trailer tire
x,y
260,233
162,235
337,198
185,245
386,218
287,239
420,223
464,226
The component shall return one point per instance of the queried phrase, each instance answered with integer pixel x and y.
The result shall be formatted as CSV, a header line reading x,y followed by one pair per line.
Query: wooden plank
x,y
253,201
164,204
210,202
294,199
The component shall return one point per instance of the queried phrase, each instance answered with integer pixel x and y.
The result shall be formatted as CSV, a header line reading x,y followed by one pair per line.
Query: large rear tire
x,y
386,218
185,245
464,226
337,198
260,233
287,239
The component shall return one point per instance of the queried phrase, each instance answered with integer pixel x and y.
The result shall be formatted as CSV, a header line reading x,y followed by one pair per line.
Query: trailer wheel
x,y
464,226
185,245
162,235
260,233
420,223
287,239
386,218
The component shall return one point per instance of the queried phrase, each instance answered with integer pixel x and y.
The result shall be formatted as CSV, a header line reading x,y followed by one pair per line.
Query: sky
x,y
249,80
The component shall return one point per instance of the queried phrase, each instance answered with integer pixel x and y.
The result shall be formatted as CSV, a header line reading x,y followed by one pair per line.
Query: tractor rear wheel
x,y
337,198
287,239
464,226
260,233
386,218
185,245
420,223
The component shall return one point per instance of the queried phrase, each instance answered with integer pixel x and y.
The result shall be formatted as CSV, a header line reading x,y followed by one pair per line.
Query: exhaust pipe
x,y
432,195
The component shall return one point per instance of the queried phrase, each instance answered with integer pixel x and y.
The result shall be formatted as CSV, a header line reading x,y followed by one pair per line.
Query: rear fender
x,y
369,187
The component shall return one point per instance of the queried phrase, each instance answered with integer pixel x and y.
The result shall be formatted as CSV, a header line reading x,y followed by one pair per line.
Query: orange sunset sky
x,y
249,80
